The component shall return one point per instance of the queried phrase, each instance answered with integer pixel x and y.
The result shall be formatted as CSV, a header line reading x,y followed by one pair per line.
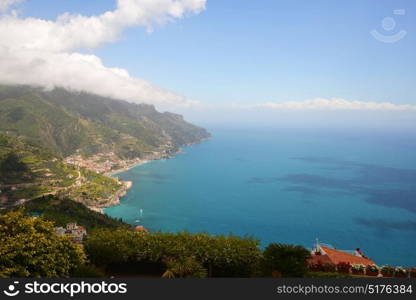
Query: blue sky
x,y
253,51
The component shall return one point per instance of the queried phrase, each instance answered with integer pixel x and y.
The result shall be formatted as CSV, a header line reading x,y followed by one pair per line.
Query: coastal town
x,y
110,163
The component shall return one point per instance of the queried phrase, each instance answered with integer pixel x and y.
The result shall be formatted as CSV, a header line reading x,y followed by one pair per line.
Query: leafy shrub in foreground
x,y
343,267
329,267
372,270
289,260
29,247
387,270
358,269
221,256
183,268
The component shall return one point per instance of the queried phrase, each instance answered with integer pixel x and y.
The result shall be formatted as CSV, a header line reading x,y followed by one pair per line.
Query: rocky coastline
x,y
114,199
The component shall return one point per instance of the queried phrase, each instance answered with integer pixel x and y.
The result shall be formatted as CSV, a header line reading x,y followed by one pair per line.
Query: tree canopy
x,y
286,260
29,247
221,256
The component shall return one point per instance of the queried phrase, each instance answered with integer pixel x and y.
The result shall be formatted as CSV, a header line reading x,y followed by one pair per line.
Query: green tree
x,y
29,247
289,260
185,267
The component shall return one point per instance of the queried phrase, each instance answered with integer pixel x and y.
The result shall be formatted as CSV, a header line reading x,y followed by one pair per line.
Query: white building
x,y
75,232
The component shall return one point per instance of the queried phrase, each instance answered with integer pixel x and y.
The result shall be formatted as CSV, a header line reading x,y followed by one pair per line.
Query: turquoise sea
x,y
348,188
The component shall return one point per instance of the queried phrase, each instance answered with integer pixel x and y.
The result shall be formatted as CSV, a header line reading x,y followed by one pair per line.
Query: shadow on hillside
x,y
14,171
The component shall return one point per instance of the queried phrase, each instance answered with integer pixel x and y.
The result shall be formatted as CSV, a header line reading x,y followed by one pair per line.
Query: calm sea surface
x,y
349,189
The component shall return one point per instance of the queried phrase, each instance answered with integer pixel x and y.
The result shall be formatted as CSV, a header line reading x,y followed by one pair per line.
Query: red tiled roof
x,y
337,256
320,259
140,228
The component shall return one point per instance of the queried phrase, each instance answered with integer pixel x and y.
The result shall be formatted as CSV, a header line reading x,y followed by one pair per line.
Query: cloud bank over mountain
x,y
49,53
46,53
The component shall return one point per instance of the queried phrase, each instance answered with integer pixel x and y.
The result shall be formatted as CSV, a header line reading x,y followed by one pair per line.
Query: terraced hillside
x,y
28,171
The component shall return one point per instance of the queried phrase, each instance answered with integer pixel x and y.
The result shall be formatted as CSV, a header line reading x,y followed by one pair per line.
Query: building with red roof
x,y
140,229
75,232
328,255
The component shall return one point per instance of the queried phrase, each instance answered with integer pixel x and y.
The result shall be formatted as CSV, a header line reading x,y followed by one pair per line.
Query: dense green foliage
x,y
184,267
220,256
65,122
288,260
63,211
29,247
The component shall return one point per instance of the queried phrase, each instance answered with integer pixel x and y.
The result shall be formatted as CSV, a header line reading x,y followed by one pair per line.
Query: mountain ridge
x,y
68,122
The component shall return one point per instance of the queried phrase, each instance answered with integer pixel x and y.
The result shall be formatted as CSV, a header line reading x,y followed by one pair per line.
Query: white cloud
x,y
81,72
317,104
330,104
71,32
41,52
6,4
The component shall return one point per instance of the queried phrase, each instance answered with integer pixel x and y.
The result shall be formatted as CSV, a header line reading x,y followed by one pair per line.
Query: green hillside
x,y
28,171
63,211
66,122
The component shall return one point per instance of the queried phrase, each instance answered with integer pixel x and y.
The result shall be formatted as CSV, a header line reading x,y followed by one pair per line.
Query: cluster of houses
x,y
100,163
72,230
106,162
78,233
